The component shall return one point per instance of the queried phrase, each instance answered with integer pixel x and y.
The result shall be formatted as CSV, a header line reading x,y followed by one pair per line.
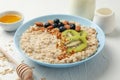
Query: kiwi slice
x,y
83,33
75,41
76,44
69,33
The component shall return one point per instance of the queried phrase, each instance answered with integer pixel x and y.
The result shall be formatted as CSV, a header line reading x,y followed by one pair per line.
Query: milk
x,y
105,18
83,8
104,11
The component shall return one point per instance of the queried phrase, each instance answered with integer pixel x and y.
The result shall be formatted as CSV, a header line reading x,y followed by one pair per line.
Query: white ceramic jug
x,y
83,8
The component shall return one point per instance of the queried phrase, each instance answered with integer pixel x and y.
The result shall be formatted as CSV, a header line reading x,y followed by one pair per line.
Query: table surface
x,y
105,66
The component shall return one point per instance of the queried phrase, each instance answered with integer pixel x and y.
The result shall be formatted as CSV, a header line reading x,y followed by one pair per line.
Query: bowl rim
x,y
63,65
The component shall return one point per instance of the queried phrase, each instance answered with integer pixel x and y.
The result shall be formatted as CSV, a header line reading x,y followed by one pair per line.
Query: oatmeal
x,y
59,42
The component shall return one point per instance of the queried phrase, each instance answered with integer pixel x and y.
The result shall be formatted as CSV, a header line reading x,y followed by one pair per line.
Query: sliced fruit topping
x,y
83,33
76,44
69,33
73,43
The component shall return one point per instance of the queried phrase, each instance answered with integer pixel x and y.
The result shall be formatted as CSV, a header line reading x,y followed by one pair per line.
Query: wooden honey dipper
x,y
23,70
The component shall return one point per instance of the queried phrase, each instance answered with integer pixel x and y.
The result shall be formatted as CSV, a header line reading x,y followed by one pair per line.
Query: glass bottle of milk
x,y
83,8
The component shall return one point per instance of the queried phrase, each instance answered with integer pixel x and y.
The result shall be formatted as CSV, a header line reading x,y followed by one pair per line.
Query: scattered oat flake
x,y
7,70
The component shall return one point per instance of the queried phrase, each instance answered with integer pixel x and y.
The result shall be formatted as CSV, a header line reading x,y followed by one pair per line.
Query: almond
x,y
39,24
78,28
50,27
50,21
65,22
67,26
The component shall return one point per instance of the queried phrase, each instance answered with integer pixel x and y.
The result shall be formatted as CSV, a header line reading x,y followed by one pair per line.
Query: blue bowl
x,y
82,21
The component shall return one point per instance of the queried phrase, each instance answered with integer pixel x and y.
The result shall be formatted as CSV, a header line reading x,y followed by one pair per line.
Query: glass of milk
x,y
83,8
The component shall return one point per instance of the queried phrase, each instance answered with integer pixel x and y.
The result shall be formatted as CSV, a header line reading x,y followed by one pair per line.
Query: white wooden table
x,y
105,66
